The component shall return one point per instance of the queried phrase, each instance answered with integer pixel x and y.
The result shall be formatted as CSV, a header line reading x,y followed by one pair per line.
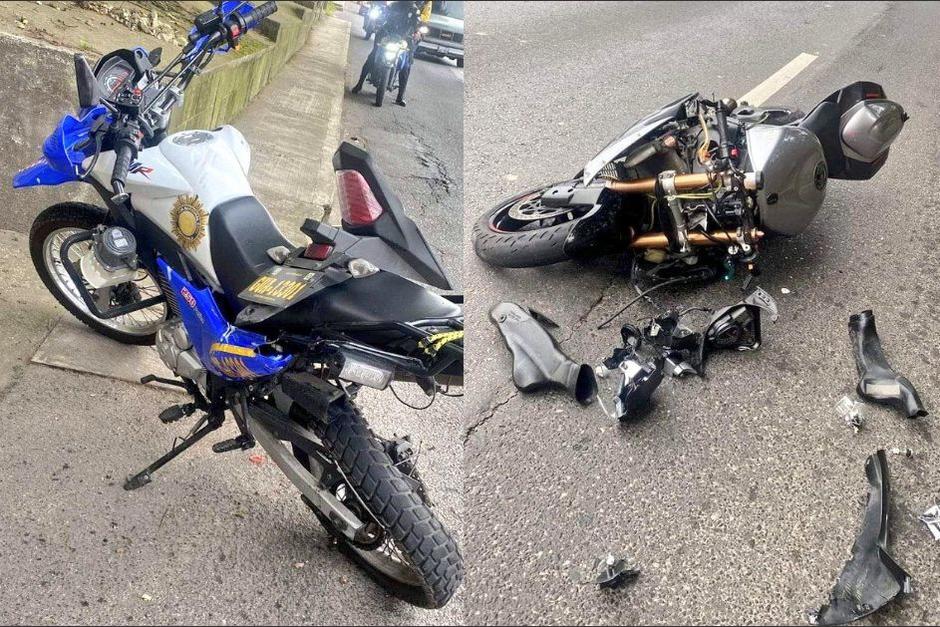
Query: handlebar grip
x,y
259,13
124,154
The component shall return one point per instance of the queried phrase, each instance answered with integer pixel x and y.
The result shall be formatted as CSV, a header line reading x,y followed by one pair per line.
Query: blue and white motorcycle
x,y
184,256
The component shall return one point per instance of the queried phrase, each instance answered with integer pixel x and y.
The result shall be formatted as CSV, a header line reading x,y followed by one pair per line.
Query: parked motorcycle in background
x,y
692,190
373,18
283,337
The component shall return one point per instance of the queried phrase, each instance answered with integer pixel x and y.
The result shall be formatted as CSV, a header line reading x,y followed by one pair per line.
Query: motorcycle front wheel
x,y
521,232
412,556
49,230
381,85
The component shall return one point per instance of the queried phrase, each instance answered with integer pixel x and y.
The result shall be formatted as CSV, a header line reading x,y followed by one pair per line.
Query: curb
x,y
325,182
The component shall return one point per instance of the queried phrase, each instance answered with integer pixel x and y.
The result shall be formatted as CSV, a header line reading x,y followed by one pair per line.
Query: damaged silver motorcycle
x,y
693,189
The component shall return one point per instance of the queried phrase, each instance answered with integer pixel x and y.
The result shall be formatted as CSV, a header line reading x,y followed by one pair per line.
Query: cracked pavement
x,y
739,495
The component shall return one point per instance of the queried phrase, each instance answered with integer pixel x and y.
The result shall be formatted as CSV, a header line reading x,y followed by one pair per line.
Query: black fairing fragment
x,y
393,226
537,361
878,382
871,578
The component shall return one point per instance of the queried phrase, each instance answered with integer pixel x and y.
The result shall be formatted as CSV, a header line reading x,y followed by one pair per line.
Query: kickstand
x,y
212,422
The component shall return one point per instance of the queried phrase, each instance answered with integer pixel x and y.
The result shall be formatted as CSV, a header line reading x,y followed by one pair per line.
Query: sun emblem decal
x,y
188,219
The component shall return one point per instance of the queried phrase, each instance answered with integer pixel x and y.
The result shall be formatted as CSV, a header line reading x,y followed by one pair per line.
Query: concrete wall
x,y
37,87
217,96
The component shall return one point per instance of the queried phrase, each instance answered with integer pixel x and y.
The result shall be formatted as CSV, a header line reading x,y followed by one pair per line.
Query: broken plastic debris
x,y
906,452
850,411
613,572
931,518
257,460
784,290
871,578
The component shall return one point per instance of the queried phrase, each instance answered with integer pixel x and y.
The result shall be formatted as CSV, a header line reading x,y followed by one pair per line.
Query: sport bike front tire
x,y
521,244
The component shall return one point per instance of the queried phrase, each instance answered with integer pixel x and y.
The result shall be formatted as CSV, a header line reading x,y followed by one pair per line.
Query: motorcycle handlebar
x,y
259,13
236,25
125,150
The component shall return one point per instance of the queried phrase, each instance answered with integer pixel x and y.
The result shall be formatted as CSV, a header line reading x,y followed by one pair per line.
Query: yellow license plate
x,y
280,286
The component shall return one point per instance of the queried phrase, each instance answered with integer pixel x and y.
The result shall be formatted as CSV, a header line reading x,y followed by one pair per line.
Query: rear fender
x,y
393,227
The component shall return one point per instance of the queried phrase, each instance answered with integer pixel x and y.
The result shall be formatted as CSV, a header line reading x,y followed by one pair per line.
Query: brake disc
x,y
531,208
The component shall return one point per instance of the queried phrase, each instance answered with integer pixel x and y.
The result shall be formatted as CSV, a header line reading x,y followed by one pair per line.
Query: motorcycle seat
x,y
241,231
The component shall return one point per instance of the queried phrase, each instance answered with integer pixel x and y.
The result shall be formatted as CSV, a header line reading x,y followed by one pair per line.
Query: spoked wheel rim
x,y
141,322
381,552
528,213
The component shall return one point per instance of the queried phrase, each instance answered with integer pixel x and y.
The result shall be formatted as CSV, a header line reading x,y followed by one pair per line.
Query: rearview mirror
x,y
154,57
85,81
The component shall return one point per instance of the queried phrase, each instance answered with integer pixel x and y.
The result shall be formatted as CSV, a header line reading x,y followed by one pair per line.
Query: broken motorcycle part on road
x,y
931,518
871,578
737,327
851,412
613,572
878,382
537,361
636,378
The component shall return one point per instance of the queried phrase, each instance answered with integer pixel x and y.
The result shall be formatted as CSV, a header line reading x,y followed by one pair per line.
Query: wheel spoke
x,y
141,322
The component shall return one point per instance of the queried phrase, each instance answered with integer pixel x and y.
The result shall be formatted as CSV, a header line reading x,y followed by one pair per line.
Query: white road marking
x,y
458,73
759,95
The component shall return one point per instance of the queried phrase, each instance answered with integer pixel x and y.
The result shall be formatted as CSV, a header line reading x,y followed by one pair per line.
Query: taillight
x,y
318,252
357,204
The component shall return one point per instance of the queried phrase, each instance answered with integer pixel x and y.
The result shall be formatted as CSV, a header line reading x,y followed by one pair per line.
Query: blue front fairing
x,y
62,158
224,350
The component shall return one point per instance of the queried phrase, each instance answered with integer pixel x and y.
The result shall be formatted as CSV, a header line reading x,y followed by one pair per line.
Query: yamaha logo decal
x,y
188,219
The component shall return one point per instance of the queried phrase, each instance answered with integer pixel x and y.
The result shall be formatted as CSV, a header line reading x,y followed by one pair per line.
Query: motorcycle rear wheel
x,y
426,567
520,232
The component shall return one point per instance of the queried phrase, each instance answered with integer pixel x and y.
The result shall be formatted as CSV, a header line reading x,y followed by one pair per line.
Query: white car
x,y
445,31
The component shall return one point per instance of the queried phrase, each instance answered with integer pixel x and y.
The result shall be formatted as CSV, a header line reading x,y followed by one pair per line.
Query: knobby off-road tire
x,y
399,509
380,87
80,216
520,249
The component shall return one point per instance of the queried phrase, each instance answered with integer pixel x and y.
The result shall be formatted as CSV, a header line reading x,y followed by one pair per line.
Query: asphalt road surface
x,y
738,496
419,147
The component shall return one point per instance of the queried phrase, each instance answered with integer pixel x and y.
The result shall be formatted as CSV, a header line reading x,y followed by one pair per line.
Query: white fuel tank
x,y
178,183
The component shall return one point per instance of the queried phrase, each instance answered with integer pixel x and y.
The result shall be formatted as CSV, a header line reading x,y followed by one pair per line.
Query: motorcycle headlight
x,y
392,46
423,30
374,13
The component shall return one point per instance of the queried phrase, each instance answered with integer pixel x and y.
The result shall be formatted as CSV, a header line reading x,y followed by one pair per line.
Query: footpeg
x,y
176,412
152,378
241,443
